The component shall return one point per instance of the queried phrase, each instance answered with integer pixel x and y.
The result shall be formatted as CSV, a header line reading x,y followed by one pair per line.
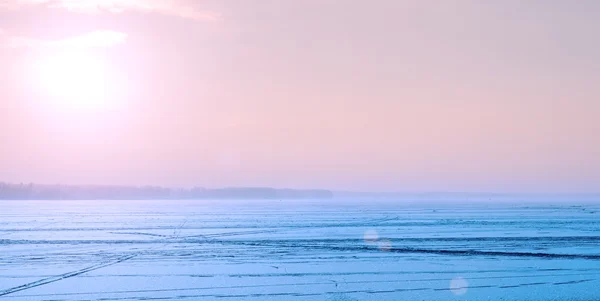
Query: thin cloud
x,y
95,39
178,8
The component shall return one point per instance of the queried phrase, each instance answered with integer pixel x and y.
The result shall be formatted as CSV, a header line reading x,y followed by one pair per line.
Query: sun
x,y
74,79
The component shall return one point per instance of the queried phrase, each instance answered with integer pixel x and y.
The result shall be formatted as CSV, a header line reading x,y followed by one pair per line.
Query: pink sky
x,y
352,95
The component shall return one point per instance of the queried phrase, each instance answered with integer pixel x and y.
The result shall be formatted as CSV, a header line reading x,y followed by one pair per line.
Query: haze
x,y
498,96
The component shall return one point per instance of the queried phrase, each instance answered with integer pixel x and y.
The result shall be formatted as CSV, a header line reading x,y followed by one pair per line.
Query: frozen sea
x,y
298,250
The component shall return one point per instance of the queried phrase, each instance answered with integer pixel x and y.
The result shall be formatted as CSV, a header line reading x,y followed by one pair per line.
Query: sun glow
x,y
75,79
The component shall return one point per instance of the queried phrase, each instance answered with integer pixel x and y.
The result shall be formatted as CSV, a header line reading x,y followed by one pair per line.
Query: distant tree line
x,y
91,192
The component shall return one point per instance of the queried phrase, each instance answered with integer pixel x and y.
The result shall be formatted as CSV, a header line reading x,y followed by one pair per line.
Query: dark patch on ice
x,y
573,282
140,233
361,248
340,297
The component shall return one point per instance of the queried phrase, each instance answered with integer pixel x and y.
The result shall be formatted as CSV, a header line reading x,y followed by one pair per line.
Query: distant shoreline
x,y
114,192
9,191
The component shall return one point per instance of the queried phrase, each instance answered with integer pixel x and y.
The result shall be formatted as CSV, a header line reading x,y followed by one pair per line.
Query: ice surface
x,y
300,250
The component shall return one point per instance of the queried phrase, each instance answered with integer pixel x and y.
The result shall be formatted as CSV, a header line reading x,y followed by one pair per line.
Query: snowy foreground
x,y
297,250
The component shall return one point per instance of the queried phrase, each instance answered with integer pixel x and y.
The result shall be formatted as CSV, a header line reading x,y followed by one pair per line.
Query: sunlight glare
x,y
74,80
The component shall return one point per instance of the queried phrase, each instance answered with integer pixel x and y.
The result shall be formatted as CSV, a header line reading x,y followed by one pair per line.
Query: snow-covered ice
x,y
297,250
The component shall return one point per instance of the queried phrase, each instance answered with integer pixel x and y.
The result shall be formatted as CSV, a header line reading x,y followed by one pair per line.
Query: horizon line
x,y
335,191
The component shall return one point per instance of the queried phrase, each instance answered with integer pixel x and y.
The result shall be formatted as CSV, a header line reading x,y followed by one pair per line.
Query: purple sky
x,y
355,95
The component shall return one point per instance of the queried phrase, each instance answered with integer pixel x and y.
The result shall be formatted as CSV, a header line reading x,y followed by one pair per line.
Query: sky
x,y
384,95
